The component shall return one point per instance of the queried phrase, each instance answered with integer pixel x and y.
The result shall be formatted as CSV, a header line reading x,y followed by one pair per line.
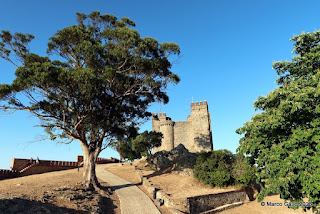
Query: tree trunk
x,y
120,153
90,180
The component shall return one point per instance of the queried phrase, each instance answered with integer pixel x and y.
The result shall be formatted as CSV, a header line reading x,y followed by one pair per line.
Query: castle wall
x,y
46,167
155,123
4,173
17,163
195,133
201,127
183,134
22,167
166,128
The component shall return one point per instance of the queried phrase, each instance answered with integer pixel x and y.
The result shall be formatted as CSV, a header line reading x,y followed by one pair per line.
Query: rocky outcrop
x,y
178,159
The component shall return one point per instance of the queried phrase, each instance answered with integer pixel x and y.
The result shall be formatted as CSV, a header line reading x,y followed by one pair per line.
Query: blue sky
x,y
227,50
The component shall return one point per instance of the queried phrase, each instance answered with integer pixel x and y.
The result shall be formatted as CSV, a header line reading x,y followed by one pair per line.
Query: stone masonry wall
x,y
183,134
204,203
38,169
166,128
22,167
194,133
17,163
7,174
201,127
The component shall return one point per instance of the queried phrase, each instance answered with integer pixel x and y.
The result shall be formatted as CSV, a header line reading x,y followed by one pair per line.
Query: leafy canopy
x,y
146,141
284,140
104,80
133,146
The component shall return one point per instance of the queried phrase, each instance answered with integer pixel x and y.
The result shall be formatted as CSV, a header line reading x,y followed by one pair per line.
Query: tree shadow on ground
x,y
109,204
157,173
122,186
25,206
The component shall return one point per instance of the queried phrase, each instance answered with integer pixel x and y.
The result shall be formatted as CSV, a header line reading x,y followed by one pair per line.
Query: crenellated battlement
x,y
7,173
159,114
204,103
160,117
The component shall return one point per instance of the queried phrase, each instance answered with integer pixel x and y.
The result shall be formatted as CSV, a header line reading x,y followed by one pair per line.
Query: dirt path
x,y
132,199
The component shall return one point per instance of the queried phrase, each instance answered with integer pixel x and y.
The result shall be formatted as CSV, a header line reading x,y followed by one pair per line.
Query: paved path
x,y
132,199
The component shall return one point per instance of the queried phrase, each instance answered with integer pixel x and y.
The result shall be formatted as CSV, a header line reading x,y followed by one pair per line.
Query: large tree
x,y
100,77
283,141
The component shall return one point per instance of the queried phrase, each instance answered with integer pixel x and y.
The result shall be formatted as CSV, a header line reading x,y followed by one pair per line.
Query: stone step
x,y
26,168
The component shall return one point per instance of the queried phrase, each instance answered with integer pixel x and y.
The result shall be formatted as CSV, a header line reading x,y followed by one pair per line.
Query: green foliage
x,y
242,172
145,142
106,79
222,168
123,144
283,140
126,151
133,146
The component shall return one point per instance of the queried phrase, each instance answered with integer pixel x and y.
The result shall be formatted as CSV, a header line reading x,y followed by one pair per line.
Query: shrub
x,y
242,172
215,168
222,168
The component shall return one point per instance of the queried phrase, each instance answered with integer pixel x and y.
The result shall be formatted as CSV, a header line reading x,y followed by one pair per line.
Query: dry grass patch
x,y
53,192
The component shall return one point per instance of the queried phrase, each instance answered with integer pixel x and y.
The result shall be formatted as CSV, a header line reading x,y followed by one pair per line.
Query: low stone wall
x,y
196,204
204,203
175,205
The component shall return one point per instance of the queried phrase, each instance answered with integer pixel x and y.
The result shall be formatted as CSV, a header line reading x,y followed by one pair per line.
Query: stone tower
x,y
194,133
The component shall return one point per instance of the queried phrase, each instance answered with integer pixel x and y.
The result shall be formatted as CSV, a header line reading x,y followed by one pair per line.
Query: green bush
x,y
242,172
215,168
222,168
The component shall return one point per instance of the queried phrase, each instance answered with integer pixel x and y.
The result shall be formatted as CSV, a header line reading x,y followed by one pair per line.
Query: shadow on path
x,y
122,186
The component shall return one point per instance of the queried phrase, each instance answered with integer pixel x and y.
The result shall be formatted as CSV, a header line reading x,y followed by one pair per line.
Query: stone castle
x,y
194,133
